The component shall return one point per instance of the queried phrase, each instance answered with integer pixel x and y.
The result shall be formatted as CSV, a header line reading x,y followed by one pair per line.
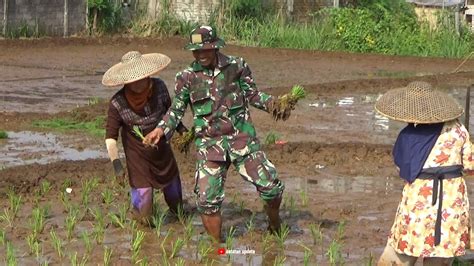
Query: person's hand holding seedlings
x,y
153,137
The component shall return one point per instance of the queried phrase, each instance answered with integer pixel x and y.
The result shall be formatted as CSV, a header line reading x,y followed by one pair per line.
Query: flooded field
x,y
61,204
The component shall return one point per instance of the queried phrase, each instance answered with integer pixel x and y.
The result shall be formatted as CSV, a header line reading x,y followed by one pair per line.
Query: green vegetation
x,y
105,16
94,127
384,26
272,137
3,134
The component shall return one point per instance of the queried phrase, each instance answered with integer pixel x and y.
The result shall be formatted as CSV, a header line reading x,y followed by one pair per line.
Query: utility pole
x,y
65,25
5,17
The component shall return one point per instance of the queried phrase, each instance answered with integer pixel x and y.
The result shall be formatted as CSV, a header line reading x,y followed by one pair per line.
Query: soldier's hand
x,y
119,172
153,137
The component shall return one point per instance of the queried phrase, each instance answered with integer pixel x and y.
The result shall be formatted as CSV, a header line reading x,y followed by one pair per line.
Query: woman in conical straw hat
x,y
431,152
137,107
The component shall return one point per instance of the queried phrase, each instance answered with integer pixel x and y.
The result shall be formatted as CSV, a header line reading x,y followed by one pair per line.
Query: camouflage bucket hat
x,y
203,38
418,103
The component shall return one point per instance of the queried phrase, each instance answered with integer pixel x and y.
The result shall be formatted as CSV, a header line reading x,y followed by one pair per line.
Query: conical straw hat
x,y
135,66
418,103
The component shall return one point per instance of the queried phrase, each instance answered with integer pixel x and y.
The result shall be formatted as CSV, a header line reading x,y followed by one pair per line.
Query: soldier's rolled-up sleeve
x,y
178,106
255,97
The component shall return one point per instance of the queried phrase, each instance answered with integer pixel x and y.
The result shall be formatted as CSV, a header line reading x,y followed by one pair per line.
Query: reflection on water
x,y
356,113
27,147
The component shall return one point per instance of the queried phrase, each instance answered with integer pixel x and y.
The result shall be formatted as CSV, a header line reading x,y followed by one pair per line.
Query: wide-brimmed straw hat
x,y
204,38
135,66
418,103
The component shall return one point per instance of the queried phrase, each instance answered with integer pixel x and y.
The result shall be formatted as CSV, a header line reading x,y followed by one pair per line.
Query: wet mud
x,y
342,188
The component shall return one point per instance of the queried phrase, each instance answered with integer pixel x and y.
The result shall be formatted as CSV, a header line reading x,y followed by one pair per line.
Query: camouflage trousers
x,y
254,168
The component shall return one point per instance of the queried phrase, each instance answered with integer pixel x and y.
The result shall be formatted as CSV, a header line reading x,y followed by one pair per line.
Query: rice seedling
x,y
272,137
164,257
267,242
57,243
70,221
11,258
341,227
38,219
33,244
3,237
316,233
116,220
87,241
3,134
7,216
99,226
183,141
64,198
144,261
229,240
107,256
250,224
334,253
137,241
307,254
287,102
15,202
279,260
241,207
188,229
282,234
204,248
181,215
45,187
180,262
75,261
107,197
304,198
158,220
176,247
87,187
292,205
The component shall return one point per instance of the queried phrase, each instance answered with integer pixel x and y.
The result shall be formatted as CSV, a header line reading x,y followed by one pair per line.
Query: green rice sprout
x,y
11,258
282,235
38,219
180,262
107,196
57,243
204,248
304,198
33,244
183,142
176,247
341,229
45,187
107,256
316,233
334,253
250,223
158,219
297,92
15,202
279,260
267,242
71,219
138,132
3,237
188,229
87,241
75,261
7,216
137,245
292,205
116,220
307,254
229,240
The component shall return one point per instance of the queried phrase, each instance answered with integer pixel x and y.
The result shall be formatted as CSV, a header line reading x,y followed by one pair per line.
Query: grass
x,y
107,256
3,134
95,127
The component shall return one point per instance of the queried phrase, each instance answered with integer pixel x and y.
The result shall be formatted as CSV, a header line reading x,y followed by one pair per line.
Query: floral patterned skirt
x,y
413,232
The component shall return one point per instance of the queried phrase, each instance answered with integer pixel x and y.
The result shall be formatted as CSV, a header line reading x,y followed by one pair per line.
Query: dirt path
x,y
337,164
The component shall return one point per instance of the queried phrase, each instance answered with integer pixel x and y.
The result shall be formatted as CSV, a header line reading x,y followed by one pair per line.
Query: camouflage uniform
x,y
225,134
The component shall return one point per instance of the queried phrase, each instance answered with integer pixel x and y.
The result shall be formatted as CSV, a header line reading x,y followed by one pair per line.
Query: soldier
x,y
219,89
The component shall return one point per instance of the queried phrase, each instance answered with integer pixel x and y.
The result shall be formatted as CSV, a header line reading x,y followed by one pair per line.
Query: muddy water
x,y
27,147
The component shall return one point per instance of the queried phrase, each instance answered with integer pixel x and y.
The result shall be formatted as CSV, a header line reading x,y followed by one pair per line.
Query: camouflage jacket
x,y
219,100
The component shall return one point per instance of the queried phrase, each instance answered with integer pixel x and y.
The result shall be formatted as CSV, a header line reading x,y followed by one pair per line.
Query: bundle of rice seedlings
x,y
138,132
285,103
183,141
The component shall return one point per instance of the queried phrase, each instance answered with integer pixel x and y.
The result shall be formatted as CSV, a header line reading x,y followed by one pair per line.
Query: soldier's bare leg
x,y
213,225
272,208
